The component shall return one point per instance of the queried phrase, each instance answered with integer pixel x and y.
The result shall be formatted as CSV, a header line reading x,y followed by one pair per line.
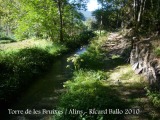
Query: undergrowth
x,y
78,40
21,63
87,93
20,67
154,97
93,58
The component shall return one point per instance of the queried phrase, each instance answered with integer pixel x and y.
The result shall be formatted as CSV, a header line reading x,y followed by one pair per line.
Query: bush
x,y
19,68
86,92
154,97
6,38
76,41
56,49
93,58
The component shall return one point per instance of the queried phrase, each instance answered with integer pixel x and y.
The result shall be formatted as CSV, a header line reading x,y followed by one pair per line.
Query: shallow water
x,y
43,93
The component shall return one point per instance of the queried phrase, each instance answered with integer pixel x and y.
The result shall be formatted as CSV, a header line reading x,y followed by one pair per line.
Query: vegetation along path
x,y
130,86
42,95
100,83
103,80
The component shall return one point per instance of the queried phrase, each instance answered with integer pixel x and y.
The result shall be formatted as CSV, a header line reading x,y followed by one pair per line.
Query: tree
x,y
108,17
141,15
45,18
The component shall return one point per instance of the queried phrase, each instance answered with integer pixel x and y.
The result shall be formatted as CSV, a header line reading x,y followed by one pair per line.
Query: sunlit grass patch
x,y
48,46
102,32
29,43
126,75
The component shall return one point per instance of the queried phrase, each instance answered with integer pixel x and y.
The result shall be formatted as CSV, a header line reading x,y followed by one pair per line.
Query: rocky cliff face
x,y
144,62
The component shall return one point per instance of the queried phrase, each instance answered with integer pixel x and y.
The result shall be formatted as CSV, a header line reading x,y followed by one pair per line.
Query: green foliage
x,y
78,40
85,92
5,38
93,58
154,97
20,67
6,41
157,52
75,60
141,15
41,19
108,17
89,59
56,49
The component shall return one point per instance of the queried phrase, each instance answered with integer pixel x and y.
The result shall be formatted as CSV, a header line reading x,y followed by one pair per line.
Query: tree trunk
x,y
134,7
61,20
141,7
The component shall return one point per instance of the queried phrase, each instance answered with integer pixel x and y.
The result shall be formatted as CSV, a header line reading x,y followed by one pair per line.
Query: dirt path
x,y
130,86
116,44
131,89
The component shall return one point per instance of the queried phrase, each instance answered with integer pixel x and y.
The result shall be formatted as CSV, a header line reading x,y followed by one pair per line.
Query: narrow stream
x,y
43,94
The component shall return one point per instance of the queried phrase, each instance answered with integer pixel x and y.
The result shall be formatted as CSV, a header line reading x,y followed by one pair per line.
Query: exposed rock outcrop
x,y
144,62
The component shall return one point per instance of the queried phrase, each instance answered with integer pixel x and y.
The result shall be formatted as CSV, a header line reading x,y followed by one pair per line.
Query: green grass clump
x,y
157,51
154,97
85,92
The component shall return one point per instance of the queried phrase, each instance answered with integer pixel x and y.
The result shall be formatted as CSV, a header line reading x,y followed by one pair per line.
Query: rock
x,y
143,60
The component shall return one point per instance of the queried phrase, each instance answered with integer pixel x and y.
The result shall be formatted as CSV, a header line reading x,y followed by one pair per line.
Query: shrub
x,y
86,92
93,58
154,97
76,41
6,38
19,68
56,49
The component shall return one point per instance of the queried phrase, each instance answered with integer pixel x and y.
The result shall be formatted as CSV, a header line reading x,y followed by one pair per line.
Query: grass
x,y
132,89
100,90
20,67
30,43
87,91
96,56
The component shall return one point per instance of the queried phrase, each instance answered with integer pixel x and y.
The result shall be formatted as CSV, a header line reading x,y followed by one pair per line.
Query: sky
x,y
92,5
